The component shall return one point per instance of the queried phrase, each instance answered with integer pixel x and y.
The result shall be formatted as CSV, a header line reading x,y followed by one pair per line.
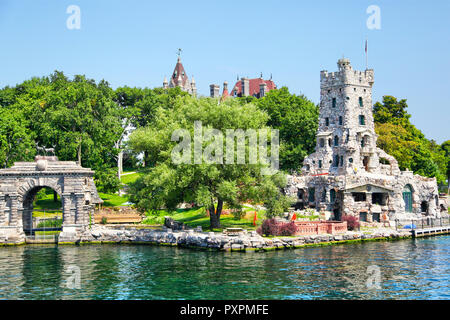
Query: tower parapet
x,y
346,76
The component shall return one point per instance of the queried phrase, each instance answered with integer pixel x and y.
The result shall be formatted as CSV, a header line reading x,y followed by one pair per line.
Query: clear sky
x,y
134,43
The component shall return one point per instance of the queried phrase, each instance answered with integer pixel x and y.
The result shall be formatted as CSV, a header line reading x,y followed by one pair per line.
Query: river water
x,y
406,269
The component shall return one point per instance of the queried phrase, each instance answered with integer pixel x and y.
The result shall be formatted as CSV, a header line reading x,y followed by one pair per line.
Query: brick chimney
x,y
214,90
245,87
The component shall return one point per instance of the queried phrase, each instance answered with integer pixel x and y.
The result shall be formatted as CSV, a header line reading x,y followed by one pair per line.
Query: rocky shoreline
x,y
246,241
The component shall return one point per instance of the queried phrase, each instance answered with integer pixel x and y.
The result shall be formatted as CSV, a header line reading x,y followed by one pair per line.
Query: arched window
x,y
332,195
336,141
320,164
362,120
322,143
336,161
334,102
340,120
311,194
327,122
407,197
361,101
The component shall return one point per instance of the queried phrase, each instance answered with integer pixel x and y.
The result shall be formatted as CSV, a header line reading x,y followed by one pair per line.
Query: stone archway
x,y
19,184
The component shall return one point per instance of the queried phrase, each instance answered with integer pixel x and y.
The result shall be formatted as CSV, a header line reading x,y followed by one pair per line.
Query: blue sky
x,y
134,43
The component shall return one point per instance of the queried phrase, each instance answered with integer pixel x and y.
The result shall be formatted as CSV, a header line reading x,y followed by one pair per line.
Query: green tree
x,y
296,118
16,141
400,138
144,103
212,185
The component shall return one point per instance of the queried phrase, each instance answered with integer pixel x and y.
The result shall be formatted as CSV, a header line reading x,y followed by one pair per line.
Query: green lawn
x,y
113,200
130,178
197,217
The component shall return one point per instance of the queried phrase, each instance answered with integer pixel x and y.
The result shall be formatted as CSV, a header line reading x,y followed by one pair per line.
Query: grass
x,y
47,203
47,232
113,200
130,178
197,217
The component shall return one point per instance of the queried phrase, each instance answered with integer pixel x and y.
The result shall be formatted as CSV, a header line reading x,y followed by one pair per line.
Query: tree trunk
x,y
145,159
120,164
79,154
214,215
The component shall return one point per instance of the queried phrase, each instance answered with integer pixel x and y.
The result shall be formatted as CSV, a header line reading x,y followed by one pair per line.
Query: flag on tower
x,y
366,46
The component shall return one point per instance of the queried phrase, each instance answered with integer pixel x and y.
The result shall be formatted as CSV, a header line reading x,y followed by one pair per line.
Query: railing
x,y
320,227
422,223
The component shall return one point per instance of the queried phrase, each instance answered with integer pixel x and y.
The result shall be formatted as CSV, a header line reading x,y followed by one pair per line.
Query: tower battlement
x,y
346,76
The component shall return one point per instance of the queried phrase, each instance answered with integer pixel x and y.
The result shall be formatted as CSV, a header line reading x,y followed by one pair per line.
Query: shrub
x,y
288,229
271,227
352,222
106,180
238,214
104,220
50,223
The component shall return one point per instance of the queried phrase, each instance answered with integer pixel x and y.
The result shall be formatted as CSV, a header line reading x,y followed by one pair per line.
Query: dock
x,y
430,231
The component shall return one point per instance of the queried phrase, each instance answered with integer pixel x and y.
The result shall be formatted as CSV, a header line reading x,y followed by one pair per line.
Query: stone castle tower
x,y
346,137
180,79
347,174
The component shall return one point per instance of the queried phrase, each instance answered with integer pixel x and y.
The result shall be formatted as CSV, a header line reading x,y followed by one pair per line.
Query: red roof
x,y
254,86
179,70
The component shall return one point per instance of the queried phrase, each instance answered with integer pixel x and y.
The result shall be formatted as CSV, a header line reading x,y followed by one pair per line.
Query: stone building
x,y
20,184
347,174
180,79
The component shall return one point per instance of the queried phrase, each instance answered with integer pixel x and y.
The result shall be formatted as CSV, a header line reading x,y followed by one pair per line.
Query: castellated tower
x,y
347,174
346,136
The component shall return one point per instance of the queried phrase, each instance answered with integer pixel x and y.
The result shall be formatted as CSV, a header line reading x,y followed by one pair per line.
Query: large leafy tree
x,y
210,184
446,147
400,138
78,117
296,118
143,103
16,140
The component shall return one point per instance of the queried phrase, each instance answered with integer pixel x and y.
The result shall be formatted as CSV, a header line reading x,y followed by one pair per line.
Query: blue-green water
x,y
409,269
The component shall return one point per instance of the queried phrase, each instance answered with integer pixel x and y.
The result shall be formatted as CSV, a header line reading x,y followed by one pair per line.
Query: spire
x,y
225,93
179,77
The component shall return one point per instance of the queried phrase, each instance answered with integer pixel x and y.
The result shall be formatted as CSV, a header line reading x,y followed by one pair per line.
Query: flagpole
x,y
367,58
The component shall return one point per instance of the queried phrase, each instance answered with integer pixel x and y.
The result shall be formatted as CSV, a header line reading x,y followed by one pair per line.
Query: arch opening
x,y
42,211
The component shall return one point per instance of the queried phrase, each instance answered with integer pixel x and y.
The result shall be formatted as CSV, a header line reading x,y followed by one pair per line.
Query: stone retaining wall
x,y
217,241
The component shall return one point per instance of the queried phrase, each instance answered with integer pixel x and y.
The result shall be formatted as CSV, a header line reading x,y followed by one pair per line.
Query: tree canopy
x,y
400,138
209,183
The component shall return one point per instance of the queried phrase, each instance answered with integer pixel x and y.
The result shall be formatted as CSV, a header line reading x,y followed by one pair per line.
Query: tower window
x,y
362,120
336,141
322,143
334,102
332,195
340,120
342,161
360,102
320,164
336,161
327,122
